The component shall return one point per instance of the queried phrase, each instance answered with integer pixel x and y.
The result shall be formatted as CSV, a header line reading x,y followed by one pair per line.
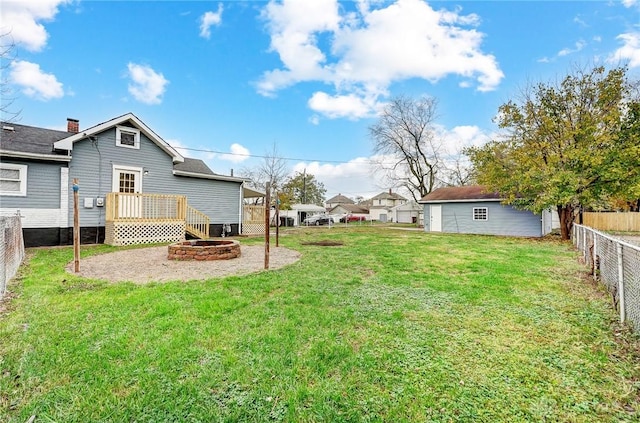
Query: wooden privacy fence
x,y
253,220
628,222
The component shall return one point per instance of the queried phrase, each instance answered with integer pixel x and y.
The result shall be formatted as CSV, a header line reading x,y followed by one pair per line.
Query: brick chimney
x,y
73,125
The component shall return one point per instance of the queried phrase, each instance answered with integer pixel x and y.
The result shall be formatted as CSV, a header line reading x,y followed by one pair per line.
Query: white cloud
x,y
356,178
567,51
460,137
208,20
34,82
629,3
238,154
630,50
146,86
22,20
350,106
361,53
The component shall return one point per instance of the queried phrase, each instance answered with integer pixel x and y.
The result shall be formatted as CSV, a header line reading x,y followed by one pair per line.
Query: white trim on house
x,y
128,130
67,143
37,156
115,177
21,179
206,176
64,197
37,218
474,200
481,213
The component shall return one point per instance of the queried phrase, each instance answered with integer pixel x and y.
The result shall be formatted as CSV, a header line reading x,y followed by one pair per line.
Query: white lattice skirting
x,y
129,233
253,228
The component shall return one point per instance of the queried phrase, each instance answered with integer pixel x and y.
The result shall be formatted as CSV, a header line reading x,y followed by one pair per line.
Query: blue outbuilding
x,y
475,210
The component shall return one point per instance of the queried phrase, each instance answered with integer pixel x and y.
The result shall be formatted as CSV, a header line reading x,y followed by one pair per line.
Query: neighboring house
x,y
127,175
473,210
350,209
382,204
410,212
336,201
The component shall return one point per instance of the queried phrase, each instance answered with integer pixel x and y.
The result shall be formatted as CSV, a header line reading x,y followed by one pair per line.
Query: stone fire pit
x,y
204,250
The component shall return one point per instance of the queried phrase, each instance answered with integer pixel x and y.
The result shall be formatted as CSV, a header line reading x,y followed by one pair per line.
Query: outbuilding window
x,y
13,179
480,213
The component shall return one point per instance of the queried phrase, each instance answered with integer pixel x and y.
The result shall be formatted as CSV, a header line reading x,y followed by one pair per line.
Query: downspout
x,y
241,211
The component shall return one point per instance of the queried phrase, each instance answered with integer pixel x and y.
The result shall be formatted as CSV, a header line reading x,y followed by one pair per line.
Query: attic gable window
x,y
127,137
13,179
480,213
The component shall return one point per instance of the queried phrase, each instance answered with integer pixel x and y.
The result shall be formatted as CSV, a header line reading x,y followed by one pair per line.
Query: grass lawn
x,y
392,326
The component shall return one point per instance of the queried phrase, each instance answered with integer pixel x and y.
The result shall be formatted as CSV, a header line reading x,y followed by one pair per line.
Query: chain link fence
x,y
616,263
11,249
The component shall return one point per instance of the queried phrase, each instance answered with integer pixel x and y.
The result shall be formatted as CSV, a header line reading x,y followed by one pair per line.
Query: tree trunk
x,y
567,217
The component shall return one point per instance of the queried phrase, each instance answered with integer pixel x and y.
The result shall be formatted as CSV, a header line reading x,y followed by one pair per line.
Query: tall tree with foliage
x,y
302,188
408,145
562,145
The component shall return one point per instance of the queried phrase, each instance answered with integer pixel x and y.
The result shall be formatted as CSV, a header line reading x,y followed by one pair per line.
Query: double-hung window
x,y
480,213
127,137
13,179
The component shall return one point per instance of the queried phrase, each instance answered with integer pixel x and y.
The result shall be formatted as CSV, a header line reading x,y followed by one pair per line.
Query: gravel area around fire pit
x,y
143,265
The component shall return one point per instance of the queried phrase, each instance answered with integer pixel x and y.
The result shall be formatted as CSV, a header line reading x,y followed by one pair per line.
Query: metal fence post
x,y
621,282
593,258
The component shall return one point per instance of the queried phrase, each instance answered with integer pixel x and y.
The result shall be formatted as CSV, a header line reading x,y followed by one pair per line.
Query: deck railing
x,y
139,207
197,223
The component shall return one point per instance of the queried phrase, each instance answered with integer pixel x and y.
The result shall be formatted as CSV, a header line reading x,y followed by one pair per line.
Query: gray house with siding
x,y
473,210
121,155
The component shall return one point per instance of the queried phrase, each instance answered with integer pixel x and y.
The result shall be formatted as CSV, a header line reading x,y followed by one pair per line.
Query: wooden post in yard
x,y
267,210
277,220
76,227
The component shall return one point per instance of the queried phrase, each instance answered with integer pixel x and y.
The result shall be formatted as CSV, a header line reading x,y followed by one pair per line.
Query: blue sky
x,y
227,81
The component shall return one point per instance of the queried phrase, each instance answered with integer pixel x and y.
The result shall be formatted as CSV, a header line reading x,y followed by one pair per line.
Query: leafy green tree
x,y
302,188
565,145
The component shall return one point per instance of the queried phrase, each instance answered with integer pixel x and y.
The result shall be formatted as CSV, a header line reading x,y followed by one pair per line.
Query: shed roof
x,y
466,193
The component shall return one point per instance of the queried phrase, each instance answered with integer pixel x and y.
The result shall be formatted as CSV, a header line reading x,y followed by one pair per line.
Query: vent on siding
x,y
8,128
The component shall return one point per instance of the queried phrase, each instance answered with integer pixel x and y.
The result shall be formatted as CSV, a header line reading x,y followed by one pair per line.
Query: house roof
x,y
388,195
67,143
193,166
352,208
340,199
30,142
460,194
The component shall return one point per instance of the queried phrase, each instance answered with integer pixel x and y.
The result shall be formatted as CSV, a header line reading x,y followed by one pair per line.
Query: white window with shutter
x,y
13,179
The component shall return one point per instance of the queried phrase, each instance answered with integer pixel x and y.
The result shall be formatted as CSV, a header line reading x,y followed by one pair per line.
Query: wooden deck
x,y
141,218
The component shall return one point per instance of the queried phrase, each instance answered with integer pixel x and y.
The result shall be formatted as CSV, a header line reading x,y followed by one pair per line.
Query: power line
x,y
202,150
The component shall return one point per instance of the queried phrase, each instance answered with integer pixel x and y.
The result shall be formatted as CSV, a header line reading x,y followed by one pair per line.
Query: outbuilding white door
x,y
436,218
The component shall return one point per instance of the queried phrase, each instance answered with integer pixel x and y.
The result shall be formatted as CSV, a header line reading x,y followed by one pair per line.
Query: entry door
x,y
436,218
129,181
